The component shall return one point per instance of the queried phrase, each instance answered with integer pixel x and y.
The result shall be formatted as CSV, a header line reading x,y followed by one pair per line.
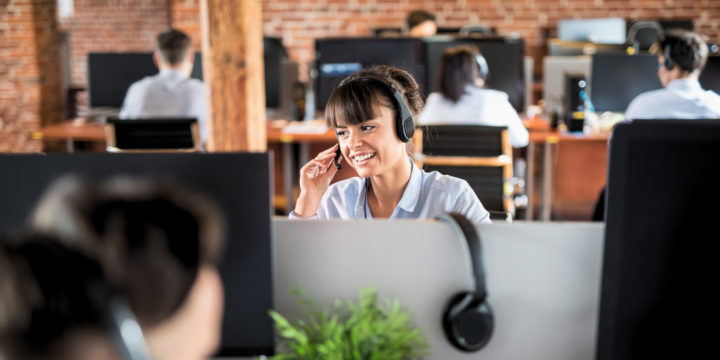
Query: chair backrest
x,y
480,155
153,135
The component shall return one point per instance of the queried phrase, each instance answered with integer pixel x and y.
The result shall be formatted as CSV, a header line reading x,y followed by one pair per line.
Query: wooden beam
x,y
233,69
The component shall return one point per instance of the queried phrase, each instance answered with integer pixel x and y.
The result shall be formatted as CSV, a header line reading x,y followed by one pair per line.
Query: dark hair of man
x,y
458,69
173,46
687,49
356,101
148,239
417,17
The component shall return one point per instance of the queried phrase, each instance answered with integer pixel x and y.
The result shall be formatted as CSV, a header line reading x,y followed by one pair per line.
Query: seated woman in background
x,y
463,101
372,114
150,245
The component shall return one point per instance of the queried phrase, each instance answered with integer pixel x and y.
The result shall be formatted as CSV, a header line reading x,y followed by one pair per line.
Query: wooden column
x,y
233,70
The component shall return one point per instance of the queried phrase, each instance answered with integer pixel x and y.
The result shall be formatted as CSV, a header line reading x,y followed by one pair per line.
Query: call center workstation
x,y
427,192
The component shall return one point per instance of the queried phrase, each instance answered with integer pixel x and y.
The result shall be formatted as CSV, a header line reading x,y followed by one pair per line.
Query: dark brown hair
x,y
687,49
417,17
458,69
173,46
146,239
356,101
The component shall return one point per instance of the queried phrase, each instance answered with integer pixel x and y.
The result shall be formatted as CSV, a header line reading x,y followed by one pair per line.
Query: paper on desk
x,y
306,127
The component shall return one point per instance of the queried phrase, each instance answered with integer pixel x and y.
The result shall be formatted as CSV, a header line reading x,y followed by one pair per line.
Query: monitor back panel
x,y
543,279
617,79
339,58
244,200
710,76
505,62
608,30
660,264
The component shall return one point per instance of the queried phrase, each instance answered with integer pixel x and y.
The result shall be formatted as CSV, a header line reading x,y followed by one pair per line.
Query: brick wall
x,y
299,22
112,26
30,80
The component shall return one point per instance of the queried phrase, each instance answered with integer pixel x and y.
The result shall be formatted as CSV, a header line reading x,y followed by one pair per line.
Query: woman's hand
x,y
315,178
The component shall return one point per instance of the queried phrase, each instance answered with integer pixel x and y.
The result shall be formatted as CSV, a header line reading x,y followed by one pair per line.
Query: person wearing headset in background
x,y
681,57
149,243
372,114
462,100
421,24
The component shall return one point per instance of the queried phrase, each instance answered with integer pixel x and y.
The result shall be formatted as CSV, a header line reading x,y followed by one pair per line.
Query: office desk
x,y
573,170
72,131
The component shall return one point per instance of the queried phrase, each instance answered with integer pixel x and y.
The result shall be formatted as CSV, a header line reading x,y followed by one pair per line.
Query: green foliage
x,y
363,331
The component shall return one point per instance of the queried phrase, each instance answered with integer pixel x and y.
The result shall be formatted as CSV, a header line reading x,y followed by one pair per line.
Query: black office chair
x,y
152,135
480,155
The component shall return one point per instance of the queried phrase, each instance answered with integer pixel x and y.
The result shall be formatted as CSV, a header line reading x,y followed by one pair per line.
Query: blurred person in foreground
x,y
682,55
172,93
151,244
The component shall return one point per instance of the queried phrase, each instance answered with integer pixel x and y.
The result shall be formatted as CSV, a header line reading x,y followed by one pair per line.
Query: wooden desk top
x,y
275,134
554,137
75,130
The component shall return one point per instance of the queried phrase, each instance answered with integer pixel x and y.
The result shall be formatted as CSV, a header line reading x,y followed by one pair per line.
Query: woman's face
x,y
372,147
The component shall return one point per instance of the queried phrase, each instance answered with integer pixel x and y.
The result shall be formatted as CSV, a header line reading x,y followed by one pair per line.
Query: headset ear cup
x,y
468,322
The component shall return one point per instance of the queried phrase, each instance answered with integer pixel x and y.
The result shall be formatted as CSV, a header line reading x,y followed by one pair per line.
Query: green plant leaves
x,y
362,331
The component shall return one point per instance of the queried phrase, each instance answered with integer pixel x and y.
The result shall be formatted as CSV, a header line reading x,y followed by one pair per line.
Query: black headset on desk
x,y
404,122
467,319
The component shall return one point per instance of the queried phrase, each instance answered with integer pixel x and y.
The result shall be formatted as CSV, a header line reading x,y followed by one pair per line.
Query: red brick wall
x,y
112,26
30,80
299,22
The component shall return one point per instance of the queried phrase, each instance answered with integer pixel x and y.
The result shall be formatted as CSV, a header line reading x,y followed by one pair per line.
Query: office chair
x,y
480,155
645,33
152,135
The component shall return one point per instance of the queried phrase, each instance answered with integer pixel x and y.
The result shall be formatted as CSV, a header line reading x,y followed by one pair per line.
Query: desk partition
x,y
543,279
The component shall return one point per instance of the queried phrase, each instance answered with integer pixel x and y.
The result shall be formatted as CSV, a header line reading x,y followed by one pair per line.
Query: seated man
x,y
682,56
421,23
171,93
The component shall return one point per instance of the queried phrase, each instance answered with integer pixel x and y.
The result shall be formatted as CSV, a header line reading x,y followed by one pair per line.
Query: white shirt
x,y
477,106
167,94
426,195
680,99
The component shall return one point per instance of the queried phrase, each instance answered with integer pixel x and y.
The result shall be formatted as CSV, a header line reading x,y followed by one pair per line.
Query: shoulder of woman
x,y
345,187
448,183
495,94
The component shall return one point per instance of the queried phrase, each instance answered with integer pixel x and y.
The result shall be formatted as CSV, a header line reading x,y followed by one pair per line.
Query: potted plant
x,y
361,331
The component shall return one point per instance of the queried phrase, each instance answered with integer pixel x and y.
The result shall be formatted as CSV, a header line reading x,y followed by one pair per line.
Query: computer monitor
x,y
710,75
659,269
246,268
338,58
111,74
608,30
504,57
616,80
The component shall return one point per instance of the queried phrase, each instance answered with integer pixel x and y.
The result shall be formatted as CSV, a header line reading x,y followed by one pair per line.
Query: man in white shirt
x,y
682,56
171,93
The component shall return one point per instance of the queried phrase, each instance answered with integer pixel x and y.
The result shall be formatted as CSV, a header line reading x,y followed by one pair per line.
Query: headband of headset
x,y
404,122
466,231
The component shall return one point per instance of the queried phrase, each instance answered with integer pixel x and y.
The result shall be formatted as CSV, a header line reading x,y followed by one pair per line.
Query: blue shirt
x,y
426,195
681,99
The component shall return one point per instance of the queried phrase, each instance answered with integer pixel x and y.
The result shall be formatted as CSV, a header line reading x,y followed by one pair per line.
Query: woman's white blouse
x,y
477,106
426,195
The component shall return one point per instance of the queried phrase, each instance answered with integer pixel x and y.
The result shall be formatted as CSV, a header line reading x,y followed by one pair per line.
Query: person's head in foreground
x,y
459,67
421,24
151,244
681,54
173,50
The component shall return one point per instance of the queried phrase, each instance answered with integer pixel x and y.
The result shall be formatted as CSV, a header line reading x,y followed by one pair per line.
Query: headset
x,y
467,318
404,121
482,63
667,54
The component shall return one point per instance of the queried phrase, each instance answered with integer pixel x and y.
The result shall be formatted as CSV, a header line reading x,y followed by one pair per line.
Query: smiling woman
x,y
372,113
